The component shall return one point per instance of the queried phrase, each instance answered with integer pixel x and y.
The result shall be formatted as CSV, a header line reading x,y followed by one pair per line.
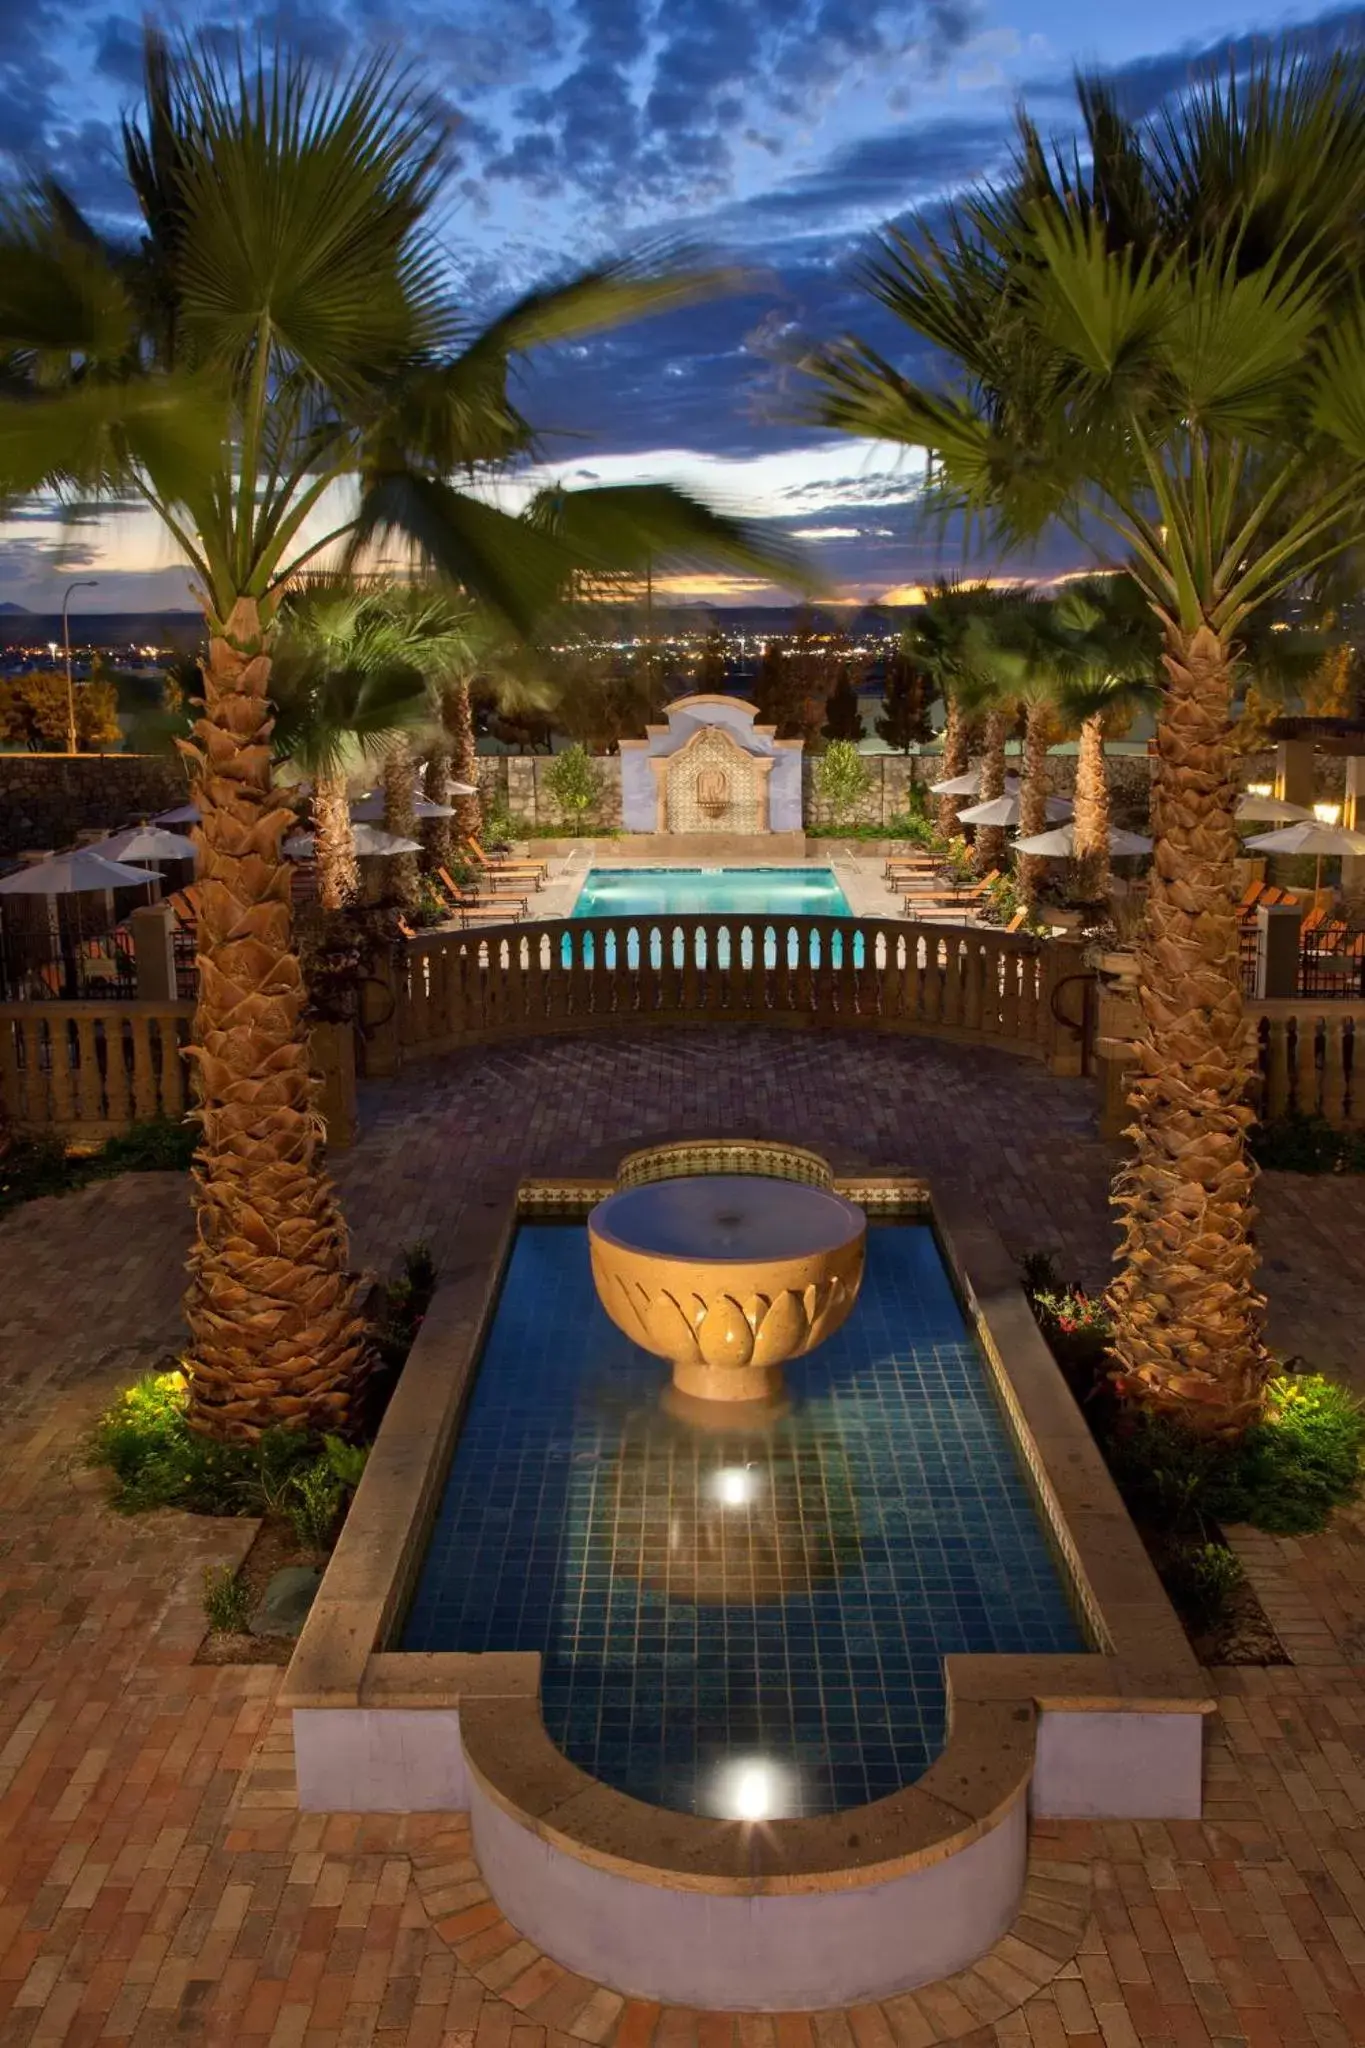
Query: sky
x,y
776,134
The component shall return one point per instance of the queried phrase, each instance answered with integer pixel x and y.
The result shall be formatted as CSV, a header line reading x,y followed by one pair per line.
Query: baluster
x,y
826,992
806,943
1306,1065
91,1091
910,993
116,1079
1276,1066
980,968
1334,1069
144,1070
179,1079
747,967
932,984
61,1059
953,989
1011,968
11,1074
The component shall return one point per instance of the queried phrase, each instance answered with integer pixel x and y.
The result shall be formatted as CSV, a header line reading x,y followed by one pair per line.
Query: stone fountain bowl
x,y
727,1275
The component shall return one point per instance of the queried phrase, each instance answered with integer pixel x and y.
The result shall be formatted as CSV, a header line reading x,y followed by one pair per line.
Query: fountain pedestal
x,y
727,1275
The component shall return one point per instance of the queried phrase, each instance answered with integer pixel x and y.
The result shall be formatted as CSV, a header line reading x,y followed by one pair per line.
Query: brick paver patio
x,y
156,1884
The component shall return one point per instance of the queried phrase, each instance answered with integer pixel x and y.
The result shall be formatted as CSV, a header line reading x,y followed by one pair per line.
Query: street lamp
x,y
84,583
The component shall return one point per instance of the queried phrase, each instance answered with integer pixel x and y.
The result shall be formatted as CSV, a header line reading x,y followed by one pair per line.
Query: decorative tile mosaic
x,y
750,1624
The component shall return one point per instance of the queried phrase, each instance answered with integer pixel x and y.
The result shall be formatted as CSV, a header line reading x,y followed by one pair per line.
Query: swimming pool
x,y
740,892
760,1599
652,892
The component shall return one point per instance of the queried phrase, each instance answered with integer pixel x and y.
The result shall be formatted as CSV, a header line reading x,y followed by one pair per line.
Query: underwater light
x,y
737,1486
753,1788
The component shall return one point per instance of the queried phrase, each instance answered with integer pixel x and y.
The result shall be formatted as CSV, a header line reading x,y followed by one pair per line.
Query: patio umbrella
x,y
1310,835
968,784
1060,844
183,814
1267,810
368,841
1004,810
370,809
79,873
145,842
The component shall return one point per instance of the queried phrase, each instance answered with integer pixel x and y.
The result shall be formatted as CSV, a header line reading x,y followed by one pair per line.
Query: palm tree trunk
x,y
464,762
334,843
1091,824
403,874
956,759
274,1334
1188,1319
438,834
989,849
1029,867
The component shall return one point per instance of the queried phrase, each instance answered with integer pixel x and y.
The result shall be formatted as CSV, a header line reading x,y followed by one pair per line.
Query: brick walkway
x,y
156,1885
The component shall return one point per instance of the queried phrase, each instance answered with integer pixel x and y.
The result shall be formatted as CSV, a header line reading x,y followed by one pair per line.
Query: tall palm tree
x,y
1113,651
276,370
940,643
1163,337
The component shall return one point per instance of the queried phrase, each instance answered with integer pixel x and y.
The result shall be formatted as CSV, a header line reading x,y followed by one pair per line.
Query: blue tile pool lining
x,y
718,1613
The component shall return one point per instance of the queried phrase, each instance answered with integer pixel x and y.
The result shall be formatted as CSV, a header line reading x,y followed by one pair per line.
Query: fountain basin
x,y
727,1275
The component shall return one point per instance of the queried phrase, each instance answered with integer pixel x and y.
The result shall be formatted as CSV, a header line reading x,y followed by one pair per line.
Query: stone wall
x,y
519,781
47,799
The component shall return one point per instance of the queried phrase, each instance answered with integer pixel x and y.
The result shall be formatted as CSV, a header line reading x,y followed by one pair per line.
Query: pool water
x,y
740,892
746,1624
653,892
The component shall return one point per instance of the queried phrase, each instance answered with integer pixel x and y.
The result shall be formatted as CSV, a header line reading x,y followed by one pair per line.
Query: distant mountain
x,y
16,608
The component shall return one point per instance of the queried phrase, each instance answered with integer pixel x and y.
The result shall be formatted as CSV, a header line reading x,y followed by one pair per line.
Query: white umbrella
x,y
145,842
1061,843
75,874
368,841
968,784
1310,835
183,814
370,809
1267,810
1004,810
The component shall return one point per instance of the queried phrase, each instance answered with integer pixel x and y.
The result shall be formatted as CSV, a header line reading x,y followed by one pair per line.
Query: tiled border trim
x,y
1040,1945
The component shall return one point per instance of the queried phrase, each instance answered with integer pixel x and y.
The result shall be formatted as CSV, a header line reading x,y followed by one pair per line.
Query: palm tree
x,y
278,372
1113,651
1163,338
939,639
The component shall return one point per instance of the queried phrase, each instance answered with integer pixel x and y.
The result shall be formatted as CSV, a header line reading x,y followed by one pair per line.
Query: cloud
x,y
646,110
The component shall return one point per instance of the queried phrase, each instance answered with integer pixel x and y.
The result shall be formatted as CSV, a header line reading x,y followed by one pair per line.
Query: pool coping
x,y
1044,1727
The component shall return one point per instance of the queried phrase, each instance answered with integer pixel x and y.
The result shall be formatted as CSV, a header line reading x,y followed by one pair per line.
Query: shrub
x,y
1307,1144
842,778
1206,1579
313,1504
346,1462
227,1601
158,1145
1300,1461
41,1166
573,780
1286,1474
33,1167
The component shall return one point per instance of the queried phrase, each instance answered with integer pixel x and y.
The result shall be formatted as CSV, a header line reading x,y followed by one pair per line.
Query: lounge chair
x,y
477,898
954,892
509,864
484,889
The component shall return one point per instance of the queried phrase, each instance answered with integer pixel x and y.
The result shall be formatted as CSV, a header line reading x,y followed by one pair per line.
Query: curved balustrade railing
x,y
469,987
